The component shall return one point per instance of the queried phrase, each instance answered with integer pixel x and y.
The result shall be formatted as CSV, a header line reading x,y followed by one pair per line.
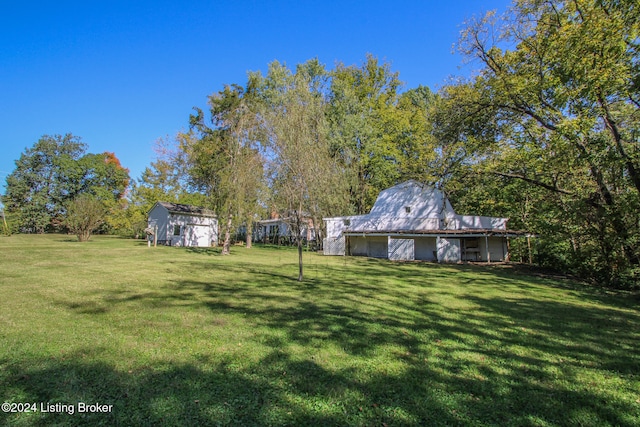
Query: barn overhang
x,y
439,233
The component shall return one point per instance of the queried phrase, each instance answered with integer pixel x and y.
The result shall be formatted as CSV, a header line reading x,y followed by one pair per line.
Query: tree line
x,y
57,186
545,133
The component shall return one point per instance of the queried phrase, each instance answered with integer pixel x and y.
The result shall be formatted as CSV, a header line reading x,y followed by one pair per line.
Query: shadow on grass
x,y
204,251
469,356
160,395
280,390
69,239
276,391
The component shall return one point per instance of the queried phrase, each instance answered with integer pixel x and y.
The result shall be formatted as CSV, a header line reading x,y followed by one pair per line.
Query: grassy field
x,y
173,336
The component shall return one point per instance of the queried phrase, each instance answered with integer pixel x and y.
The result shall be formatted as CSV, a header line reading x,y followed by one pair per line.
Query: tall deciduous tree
x,y
380,135
37,188
363,122
224,158
306,181
103,176
56,170
556,107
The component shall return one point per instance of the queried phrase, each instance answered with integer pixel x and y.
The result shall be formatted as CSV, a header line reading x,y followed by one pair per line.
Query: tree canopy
x,y
55,171
554,112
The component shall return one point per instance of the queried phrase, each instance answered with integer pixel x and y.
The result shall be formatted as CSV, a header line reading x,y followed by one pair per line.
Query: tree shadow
x,y
204,251
460,366
209,393
70,239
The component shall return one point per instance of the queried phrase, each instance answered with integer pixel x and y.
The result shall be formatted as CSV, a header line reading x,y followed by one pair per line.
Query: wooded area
x,y
546,133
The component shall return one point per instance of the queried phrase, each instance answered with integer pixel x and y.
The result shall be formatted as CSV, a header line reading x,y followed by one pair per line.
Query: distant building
x,y
183,225
279,230
411,221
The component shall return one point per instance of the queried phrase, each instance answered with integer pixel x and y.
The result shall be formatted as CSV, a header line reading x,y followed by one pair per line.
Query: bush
x,y
84,215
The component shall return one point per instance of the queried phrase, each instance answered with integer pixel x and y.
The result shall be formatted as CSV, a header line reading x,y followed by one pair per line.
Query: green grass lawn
x,y
172,336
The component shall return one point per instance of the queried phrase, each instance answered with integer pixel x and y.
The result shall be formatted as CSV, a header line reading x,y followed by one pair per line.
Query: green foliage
x,y
53,172
309,141
103,177
366,128
224,160
84,215
37,189
555,108
545,134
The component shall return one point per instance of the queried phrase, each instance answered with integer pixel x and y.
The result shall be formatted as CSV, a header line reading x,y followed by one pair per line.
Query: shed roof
x,y
179,208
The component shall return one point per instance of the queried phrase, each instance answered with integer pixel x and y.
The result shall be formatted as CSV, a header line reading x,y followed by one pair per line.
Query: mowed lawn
x,y
171,336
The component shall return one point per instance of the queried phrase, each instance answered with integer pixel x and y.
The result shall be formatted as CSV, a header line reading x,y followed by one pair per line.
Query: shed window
x,y
346,222
176,230
407,209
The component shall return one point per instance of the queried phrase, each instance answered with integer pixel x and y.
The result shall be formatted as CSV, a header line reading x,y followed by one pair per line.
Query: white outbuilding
x,y
183,225
411,221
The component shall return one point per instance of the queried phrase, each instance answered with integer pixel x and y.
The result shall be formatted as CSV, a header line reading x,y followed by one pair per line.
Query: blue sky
x,y
122,74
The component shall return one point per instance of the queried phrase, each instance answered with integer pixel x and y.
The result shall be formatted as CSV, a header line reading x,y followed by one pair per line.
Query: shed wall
x,y
497,249
159,216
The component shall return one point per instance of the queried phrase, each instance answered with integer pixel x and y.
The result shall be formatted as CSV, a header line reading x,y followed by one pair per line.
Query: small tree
x,y
5,228
305,180
84,215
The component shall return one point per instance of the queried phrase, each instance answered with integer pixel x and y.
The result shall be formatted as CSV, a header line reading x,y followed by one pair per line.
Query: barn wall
x,y
401,249
425,248
486,222
448,249
333,246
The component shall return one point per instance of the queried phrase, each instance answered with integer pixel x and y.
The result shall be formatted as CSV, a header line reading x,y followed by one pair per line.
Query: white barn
x,y
183,225
411,221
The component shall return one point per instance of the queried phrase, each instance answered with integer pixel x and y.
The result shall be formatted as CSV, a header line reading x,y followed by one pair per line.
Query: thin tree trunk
x,y
300,272
298,235
227,236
